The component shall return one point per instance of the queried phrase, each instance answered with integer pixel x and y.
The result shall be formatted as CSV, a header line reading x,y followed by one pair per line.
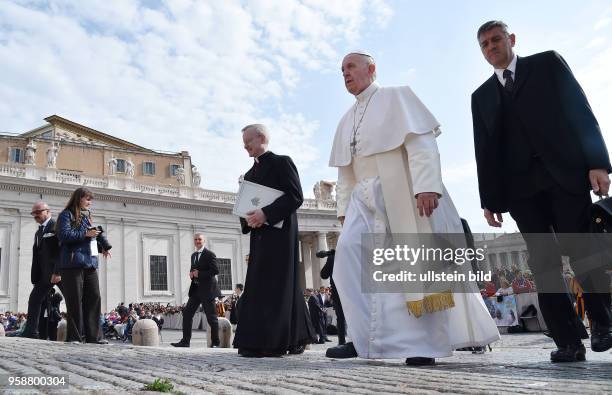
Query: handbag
x,y
601,216
601,230
220,309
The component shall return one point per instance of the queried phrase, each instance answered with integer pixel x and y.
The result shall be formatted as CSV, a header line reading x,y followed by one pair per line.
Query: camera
x,y
323,254
106,246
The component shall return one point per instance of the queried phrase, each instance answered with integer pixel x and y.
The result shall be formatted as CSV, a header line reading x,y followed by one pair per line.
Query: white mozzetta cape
x,y
393,113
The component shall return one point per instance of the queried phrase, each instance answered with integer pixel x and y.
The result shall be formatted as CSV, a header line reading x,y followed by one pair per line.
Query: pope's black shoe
x,y
601,338
420,361
181,343
345,351
575,353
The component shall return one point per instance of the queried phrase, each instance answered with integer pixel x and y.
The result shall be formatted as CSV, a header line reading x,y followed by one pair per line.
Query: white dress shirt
x,y
511,67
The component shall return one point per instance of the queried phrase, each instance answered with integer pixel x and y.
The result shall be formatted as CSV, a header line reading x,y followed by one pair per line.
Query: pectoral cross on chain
x,y
354,146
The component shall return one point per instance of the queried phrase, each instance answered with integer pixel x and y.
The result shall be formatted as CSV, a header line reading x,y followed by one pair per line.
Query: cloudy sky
x,y
187,75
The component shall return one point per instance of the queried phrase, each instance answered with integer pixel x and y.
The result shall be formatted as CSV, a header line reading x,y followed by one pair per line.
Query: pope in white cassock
x,y
389,182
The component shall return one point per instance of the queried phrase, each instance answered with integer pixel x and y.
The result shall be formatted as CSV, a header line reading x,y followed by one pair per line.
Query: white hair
x,y
260,129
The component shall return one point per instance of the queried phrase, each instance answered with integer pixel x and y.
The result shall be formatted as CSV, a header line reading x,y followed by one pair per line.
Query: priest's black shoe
x,y
181,343
345,351
575,353
601,338
294,350
420,361
243,352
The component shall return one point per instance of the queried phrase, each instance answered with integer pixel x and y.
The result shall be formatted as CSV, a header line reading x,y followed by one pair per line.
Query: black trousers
x,y
43,325
211,316
37,297
81,291
555,210
52,330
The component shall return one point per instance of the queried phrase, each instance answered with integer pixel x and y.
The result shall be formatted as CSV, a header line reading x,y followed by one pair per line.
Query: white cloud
x,y
597,42
600,24
185,75
459,173
596,80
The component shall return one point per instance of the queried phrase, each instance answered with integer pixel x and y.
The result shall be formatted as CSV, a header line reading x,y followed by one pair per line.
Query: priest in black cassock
x,y
273,316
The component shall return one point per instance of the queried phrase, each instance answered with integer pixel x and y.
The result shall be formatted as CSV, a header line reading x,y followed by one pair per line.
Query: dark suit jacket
x,y
557,122
45,255
206,287
316,309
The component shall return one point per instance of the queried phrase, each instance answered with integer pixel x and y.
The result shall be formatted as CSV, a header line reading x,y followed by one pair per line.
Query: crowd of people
x,y
508,282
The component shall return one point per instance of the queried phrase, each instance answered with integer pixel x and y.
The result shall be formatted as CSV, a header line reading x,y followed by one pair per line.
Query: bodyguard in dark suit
x,y
202,291
539,152
44,273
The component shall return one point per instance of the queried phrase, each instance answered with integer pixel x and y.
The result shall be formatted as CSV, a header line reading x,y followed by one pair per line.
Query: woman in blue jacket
x,y
79,249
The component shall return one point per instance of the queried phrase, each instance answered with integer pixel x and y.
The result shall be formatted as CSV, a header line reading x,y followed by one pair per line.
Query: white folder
x,y
252,196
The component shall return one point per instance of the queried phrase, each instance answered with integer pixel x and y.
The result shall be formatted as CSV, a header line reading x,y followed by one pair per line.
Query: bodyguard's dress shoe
x,y
575,353
294,350
345,351
420,361
180,343
601,338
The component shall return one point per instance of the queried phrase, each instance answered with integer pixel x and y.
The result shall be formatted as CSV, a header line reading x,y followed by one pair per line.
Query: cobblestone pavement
x,y
518,364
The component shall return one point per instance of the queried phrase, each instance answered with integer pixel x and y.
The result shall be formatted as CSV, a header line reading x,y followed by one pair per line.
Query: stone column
x,y
322,246
22,283
113,267
306,255
185,248
315,270
132,260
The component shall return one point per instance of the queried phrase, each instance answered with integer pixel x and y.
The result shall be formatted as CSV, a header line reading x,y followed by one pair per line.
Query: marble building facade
x,y
149,203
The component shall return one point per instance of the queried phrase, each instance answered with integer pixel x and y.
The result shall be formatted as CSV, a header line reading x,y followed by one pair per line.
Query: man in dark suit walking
x,y
44,273
203,291
539,152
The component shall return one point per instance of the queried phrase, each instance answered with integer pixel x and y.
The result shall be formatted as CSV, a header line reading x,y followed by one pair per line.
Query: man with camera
x,y
203,291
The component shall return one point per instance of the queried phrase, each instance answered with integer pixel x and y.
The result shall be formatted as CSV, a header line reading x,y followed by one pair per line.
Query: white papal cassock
x,y
393,157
